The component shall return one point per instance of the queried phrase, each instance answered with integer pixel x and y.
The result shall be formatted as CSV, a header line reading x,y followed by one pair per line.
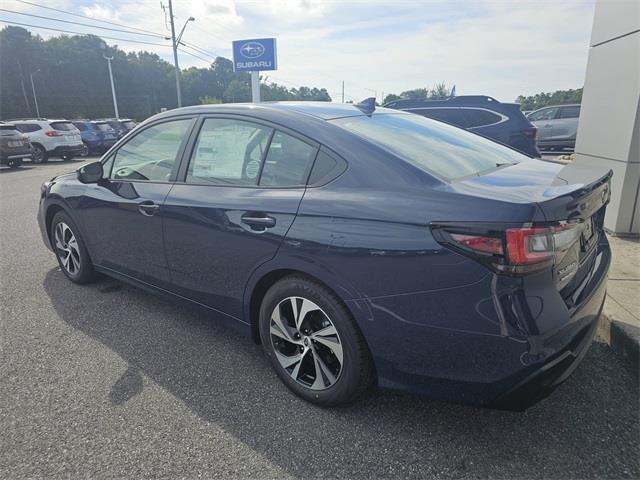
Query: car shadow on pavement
x,y
224,379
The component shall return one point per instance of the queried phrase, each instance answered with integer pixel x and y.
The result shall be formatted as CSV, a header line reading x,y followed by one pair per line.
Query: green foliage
x,y
559,97
73,79
207,100
437,92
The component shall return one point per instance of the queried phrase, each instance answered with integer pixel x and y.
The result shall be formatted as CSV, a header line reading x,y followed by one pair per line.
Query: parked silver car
x,y
557,126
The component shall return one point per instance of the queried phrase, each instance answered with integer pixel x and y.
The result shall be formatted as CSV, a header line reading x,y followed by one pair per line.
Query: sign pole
x,y
255,87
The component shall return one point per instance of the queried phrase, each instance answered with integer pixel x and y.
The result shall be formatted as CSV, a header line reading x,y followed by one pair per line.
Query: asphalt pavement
x,y
107,381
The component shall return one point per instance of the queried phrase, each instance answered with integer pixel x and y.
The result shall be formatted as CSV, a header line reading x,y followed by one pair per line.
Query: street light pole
x,y
33,89
175,42
113,88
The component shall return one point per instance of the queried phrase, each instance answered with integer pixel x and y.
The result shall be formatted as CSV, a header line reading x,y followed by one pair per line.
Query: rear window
x,y
63,126
454,116
129,125
442,150
104,127
477,117
114,124
80,126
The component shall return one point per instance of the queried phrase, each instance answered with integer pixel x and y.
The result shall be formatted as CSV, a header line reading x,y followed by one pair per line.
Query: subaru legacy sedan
x,y
359,246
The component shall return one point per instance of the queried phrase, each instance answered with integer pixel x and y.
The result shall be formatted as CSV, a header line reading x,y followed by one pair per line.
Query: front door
x,y
239,196
122,214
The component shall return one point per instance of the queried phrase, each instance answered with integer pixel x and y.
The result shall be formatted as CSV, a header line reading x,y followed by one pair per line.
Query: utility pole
x,y
175,53
255,87
113,88
343,91
33,89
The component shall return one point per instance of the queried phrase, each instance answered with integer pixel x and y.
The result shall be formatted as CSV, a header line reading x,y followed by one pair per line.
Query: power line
x,y
79,23
84,16
8,22
209,62
201,50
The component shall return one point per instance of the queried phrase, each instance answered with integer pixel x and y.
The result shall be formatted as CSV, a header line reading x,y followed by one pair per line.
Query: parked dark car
x,y
359,246
502,122
98,136
122,126
14,146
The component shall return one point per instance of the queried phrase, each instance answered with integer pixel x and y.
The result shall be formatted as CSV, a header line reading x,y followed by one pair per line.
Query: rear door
x,y
565,126
239,194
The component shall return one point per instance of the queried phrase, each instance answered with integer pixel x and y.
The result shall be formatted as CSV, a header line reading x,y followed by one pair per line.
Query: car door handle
x,y
148,208
259,222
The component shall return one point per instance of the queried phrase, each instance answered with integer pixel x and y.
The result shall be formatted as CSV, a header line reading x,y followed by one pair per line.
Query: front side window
x,y
546,114
288,162
442,150
151,154
452,116
228,152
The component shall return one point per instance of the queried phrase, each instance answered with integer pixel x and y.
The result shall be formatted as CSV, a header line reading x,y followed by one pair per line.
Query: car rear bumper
x,y
67,150
528,356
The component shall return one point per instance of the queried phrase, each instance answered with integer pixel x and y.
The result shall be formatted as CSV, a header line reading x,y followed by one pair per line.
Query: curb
x,y
625,341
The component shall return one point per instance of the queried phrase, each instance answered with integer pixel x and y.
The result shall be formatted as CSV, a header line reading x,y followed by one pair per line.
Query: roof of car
x,y
322,110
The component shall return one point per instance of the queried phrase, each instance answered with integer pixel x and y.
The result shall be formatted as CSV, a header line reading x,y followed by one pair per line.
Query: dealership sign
x,y
254,55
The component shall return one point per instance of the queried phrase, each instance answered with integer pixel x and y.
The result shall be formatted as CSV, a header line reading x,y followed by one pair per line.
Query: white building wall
x,y
608,134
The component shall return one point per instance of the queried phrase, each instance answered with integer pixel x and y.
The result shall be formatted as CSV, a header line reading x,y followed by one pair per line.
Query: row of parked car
x,y
39,139
548,128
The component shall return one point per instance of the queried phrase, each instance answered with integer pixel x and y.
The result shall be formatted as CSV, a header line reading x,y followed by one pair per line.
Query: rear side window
x,y
28,127
325,169
288,162
63,126
151,154
8,128
478,118
570,112
228,152
453,116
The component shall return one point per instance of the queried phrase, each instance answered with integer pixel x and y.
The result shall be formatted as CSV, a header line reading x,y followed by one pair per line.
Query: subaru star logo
x,y
252,50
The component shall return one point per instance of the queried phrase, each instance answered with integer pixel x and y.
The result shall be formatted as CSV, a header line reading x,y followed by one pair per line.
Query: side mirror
x,y
90,173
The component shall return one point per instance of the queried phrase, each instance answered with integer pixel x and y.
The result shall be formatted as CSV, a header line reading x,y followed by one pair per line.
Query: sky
x,y
497,48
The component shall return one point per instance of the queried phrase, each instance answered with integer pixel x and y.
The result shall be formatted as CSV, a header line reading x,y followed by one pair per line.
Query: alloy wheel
x,y
38,154
306,343
67,248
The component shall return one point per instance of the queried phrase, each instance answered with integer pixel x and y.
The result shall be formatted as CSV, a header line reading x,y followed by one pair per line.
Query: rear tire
x,y
40,155
321,356
70,250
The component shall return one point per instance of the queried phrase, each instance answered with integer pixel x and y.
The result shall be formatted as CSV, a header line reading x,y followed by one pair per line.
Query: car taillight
x,y
52,133
511,250
531,132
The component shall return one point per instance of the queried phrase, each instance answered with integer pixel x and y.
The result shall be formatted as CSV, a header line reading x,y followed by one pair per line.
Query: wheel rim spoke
x,y
68,248
306,343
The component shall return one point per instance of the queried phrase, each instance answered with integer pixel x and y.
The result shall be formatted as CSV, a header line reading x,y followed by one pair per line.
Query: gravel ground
x,y
107,381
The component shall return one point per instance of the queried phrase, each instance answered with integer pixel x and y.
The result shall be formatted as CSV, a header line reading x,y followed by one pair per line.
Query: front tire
x,y
313,343
70,250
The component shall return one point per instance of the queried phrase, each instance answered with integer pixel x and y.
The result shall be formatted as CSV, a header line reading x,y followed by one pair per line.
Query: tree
x,y
73,79
559,97
438,92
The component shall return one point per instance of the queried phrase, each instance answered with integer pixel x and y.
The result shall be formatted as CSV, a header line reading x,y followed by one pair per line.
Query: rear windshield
x,y
79,125
129,124
115,124
63,126
105,127
435,147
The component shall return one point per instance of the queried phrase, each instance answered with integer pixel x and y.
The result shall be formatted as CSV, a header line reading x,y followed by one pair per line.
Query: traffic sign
x,y
254,55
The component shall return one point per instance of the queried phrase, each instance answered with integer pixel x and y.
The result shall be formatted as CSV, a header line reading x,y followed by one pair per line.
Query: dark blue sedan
x,y
360,247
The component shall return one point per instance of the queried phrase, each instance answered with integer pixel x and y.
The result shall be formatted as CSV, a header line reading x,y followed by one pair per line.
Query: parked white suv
x,y
57,138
